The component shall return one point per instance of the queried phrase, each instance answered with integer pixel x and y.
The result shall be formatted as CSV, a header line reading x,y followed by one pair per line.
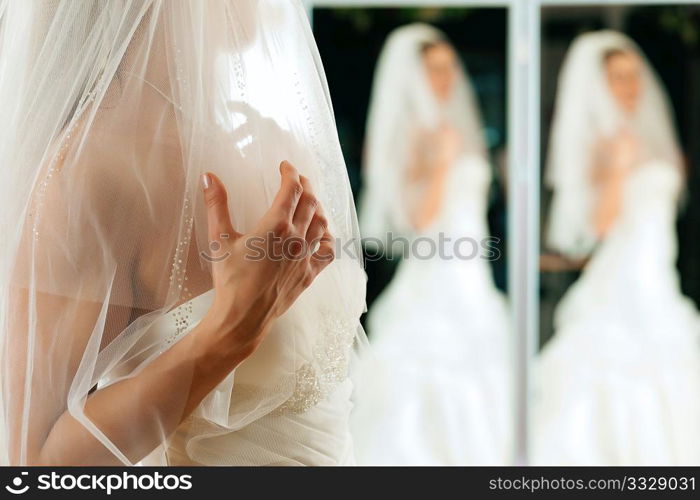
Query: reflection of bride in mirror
x,y
436,391
620,381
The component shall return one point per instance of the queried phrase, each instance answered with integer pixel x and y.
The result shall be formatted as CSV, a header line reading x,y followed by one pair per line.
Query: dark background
x,y
670,38
350,40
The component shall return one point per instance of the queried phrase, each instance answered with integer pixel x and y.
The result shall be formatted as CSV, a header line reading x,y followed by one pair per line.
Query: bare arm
x,y
139,412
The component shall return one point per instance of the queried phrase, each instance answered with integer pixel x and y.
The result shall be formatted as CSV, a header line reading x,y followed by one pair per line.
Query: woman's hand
x,y
258,276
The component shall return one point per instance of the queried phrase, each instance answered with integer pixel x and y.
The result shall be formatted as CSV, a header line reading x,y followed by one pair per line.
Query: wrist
x,y
225,339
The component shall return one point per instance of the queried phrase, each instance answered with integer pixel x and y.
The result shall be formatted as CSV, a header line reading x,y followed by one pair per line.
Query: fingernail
x,y
206,181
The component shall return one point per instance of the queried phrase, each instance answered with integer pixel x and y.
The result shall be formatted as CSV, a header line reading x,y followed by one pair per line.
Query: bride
x,y
436,389
619,384
143,318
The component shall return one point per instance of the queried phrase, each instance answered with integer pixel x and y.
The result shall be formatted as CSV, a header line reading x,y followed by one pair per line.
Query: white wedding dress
x,y
311,428
619,384
437,390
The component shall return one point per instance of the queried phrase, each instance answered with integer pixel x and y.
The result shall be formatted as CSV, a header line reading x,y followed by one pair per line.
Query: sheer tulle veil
x,y
111,111
585,111
403,104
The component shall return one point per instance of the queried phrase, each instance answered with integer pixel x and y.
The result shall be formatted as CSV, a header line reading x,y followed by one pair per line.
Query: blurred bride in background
x,y
436,391
620,381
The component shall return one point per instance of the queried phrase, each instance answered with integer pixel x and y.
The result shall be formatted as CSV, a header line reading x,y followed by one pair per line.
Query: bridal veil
x,y
111,111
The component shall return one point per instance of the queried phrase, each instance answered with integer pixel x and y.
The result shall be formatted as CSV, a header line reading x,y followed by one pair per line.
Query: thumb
x,y
218,218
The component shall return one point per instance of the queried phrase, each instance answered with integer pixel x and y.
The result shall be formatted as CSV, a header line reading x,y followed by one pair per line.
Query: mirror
x,y
617,380
419,95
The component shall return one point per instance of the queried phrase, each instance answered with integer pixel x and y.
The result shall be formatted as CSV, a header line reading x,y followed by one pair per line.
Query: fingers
x,y
317,230
325,253
310,220
318,227
296,203
306,207
218,217
290,191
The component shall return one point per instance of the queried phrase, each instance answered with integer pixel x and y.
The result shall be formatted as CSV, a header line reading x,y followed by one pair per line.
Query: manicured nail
x,y
206,181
